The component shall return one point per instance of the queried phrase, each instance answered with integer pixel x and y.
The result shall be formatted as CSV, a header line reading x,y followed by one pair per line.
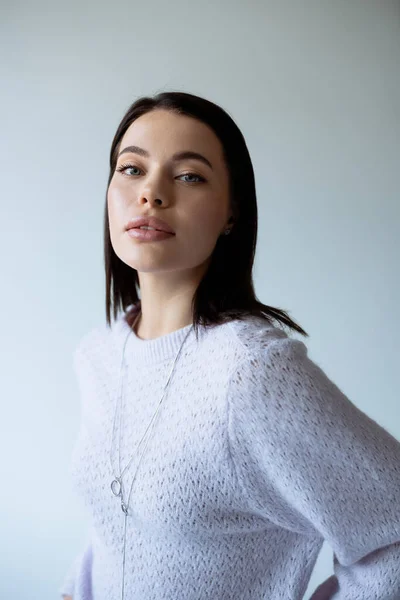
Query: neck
x,y
148,328
166,304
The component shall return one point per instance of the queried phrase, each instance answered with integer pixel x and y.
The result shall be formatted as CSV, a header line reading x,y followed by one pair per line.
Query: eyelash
x,y
122,168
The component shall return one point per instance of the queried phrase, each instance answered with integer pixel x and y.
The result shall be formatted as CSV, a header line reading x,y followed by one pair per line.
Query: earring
x,y
227,231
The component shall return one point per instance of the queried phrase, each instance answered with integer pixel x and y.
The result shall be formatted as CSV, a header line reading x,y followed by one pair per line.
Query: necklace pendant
x,y
124,508
116,486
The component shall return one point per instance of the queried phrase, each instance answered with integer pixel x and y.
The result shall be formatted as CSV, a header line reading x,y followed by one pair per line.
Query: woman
x,y
214,456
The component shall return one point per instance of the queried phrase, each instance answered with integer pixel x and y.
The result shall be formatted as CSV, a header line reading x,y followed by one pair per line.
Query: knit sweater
x,y
255,458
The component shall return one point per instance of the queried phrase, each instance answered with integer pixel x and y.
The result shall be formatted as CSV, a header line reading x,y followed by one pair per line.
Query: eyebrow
x,y
176,157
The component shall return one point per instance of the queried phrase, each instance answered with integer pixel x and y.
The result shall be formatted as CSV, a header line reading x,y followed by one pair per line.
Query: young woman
x,y
214,456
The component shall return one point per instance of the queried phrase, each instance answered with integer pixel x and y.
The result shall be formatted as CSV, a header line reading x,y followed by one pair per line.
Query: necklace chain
x,y
117,487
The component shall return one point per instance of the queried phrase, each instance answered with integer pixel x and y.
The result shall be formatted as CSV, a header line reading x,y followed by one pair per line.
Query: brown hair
x,y
226,291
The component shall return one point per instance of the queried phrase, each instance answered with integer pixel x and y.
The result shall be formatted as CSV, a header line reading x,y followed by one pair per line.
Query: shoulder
x,y
236,343
97,341
256,338
279,377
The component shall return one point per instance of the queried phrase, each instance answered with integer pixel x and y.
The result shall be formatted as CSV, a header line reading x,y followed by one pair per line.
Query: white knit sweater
x,y
256,457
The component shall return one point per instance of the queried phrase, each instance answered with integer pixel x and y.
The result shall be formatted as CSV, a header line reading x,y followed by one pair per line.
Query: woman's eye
x,y
123,168
199,179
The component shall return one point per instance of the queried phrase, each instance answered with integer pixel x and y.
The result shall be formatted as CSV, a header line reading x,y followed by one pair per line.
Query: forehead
x,y
164,131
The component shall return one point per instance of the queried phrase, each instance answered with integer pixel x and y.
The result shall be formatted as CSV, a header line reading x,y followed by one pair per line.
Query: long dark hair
x,y
226,291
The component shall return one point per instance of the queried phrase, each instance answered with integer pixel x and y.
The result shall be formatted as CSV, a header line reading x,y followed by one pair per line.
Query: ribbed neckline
x,y
156,350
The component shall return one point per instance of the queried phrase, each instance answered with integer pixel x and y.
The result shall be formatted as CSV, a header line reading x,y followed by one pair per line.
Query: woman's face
x,y
194,196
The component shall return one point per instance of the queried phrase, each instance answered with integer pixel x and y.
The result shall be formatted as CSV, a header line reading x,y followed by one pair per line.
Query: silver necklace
x,y
117,487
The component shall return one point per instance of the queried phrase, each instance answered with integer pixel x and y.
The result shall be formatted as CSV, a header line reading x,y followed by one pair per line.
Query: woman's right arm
x,y
78,580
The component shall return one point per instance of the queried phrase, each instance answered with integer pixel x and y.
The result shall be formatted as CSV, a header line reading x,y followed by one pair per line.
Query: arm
x,y
67,588
326,589
318,465
79,572
78,577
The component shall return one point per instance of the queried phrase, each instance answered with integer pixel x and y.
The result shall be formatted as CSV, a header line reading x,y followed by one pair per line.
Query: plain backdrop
x,y
314,87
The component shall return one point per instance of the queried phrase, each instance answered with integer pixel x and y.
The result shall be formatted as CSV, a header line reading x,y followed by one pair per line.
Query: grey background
x,y
314,87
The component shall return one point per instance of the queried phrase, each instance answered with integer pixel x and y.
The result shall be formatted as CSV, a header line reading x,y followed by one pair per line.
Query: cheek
x,y
115,205
116,219
201,233
113,195
207,219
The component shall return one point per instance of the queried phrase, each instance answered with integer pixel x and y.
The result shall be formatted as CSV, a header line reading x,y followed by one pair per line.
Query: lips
x,y
154,222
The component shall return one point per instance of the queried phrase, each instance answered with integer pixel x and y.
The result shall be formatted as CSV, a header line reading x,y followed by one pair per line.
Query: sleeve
x,y
77,580
314,463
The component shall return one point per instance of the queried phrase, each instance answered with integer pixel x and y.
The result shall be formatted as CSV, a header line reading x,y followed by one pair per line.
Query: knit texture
x,y
255,458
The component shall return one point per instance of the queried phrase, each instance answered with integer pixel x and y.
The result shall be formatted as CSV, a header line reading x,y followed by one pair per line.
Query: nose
x,y
148,198
152,194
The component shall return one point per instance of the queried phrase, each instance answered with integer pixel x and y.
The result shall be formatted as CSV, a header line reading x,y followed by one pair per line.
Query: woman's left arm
x,y
315,463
